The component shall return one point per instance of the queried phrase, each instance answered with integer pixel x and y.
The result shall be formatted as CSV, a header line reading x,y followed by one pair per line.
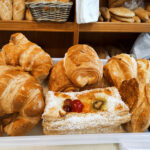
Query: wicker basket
x,y
50,11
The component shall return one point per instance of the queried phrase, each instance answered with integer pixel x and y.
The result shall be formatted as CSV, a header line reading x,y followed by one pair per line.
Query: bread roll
x,y
114,20
117,3
142,14
18,9
123,19
122,12
6,9
101,19
105,13
82,65
137,19
28,15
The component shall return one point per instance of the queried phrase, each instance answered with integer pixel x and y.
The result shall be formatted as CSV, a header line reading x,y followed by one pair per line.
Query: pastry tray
x,y
36,137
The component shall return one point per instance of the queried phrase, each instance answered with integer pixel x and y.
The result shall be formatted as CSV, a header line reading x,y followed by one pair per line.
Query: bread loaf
x,y
6,9
18,9
28,15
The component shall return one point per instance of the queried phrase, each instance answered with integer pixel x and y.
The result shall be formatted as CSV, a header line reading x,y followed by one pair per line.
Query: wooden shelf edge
x,y
114,27
36,26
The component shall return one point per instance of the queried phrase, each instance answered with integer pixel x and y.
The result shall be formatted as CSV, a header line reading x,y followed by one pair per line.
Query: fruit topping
x,y
98,104
67,108
86,108
77,106
68,102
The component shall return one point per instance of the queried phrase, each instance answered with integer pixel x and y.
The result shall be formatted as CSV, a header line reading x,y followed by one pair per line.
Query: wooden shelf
x,y
115,27
36,26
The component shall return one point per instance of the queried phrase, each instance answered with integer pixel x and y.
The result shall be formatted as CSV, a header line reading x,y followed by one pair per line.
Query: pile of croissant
x,y
24,66
81,70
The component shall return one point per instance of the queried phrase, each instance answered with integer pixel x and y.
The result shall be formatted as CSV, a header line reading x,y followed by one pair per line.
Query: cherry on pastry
x,y
68,102
77,106
67,108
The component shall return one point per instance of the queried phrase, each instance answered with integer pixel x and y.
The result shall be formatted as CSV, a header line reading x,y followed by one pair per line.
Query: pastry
x,y
123,19
135,93
28,15
18,9
6,9
2,59
137,97
137,19
117,3
32,58
105,13
122,12
82,65
91,113
119,68
58,81
102,84
22,96
142,14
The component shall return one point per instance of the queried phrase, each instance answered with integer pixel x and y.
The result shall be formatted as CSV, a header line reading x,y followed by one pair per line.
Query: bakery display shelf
x,y
115,27
36,26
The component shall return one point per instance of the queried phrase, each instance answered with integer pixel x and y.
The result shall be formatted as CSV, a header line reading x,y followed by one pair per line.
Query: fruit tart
x,y
91,111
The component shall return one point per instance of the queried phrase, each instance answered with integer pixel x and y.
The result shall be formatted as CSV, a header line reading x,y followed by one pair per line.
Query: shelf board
x,y
36,26
115,27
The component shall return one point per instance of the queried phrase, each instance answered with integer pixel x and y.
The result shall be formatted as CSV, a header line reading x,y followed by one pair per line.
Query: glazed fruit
x,y
86,108
67,108
98,104
67,105
77,106
68,102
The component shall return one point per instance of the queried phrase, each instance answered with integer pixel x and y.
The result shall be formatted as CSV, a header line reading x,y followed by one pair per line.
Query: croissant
x,y
119,68
135,93
21,101
20,51
82,65
58,81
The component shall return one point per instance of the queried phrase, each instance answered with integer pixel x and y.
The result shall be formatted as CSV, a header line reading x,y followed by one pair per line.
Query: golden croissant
x,y
83,66
21,101
58,81
119,68
32,58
